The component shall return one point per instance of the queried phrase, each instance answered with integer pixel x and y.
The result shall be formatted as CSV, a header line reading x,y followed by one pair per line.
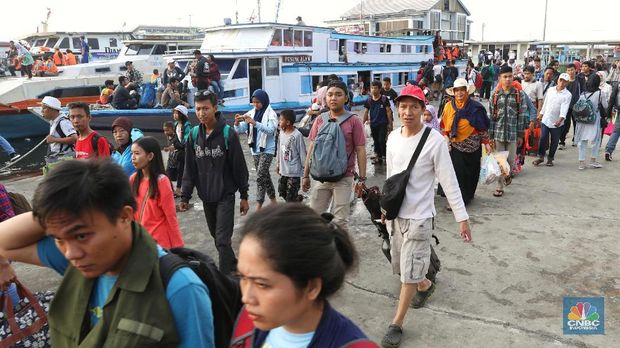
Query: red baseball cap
x,y
412,91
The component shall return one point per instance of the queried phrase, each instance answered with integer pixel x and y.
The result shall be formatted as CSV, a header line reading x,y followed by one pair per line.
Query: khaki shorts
x,y
410,242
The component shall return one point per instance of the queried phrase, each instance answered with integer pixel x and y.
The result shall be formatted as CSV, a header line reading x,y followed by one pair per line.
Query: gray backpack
x,y
329,155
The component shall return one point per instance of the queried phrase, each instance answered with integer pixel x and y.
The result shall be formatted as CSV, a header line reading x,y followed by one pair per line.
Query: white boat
x,y
103,45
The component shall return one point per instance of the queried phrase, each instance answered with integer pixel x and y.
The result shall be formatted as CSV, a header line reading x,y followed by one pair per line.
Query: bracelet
x,y
306,177
361,178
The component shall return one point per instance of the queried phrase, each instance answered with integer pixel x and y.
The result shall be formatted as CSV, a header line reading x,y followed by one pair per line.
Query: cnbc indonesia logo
x,y
583,317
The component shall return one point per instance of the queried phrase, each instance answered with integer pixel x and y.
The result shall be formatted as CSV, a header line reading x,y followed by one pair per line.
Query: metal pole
x,y
483,25
545,24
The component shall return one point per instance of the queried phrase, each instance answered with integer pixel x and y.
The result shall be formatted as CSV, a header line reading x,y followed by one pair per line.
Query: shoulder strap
x,y
168,264
344,119
243,331
418,149
226,135
94,143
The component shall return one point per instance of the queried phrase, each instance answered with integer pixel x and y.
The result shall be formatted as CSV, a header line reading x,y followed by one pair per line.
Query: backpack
x,y
224,290
429,75
62,134
477,79
329,159
486,72
449,80
19,203
226,133
496,93
95,144
583,110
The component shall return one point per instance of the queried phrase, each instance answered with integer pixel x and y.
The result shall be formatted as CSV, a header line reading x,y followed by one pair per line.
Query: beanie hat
x,y
124,123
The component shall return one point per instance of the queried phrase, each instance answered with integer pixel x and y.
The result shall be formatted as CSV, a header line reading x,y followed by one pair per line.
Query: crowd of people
x,y
93,218
20,59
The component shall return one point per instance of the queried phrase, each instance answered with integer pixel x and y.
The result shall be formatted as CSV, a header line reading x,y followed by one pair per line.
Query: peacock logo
x,y
584,316
583,311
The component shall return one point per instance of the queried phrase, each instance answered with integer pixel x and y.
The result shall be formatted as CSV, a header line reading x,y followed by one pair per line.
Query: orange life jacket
x,y
70,59
57,58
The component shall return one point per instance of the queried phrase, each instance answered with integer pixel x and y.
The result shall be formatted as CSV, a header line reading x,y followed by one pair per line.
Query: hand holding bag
x,y
395,186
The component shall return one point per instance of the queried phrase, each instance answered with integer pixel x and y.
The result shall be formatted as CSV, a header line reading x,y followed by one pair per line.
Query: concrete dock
x,y
553,234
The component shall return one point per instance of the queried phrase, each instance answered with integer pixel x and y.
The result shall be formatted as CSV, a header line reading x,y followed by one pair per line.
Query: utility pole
x,y
483,25
190,20
545,24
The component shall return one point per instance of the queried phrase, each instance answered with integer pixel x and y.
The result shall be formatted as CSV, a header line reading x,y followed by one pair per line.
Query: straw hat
x,y
461,83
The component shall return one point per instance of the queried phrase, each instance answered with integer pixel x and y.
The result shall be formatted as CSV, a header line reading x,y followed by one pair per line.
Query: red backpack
x,y
478,80
244,334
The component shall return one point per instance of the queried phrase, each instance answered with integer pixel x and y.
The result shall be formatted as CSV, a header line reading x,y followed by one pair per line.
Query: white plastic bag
x,y
489,170
367,130
502,160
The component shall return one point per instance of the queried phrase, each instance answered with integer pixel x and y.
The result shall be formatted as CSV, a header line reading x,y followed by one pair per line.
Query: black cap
x,y
128,62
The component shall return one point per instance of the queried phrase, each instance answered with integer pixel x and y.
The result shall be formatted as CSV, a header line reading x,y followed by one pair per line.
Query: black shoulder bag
x,y
395,186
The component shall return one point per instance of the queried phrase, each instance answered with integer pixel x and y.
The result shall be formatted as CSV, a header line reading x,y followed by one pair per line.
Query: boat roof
x,y
74,33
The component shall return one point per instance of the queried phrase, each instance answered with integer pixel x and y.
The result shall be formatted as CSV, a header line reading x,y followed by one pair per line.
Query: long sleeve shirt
x,y
508,122
555,106
434,161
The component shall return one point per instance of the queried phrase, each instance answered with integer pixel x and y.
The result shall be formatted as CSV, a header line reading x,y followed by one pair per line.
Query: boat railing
x,y
220,50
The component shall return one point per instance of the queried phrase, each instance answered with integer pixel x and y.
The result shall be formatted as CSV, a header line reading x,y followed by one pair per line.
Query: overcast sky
x,y
504,19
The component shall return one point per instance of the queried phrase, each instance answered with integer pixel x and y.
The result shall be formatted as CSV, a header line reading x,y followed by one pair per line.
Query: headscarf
x,y
469,109
435,121
263,97
321,93
603,76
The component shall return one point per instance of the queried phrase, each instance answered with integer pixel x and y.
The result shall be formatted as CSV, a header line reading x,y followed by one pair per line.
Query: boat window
x,y
333,45
72,92
39,42
402,78
145,49
272,66
364,47
93,43
159,49
76,43
388,48
64,43
371,47
51,42
308,39
242,69
132,49
382,48
276,40
288,37
357,47
113,42
297,38
225,65
182,48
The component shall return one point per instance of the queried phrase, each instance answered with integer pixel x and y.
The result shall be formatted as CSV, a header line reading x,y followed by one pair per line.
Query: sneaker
x,y
581,167
14,156
549,163
607,157
562,147
595,165
422,296
393,337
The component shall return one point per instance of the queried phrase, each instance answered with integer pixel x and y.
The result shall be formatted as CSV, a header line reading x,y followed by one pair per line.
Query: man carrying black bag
x,y
424,155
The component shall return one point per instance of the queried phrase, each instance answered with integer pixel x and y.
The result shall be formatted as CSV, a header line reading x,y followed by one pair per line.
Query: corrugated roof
x,y
379,7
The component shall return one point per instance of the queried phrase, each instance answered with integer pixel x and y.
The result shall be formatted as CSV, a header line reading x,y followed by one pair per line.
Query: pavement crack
x,y
493,322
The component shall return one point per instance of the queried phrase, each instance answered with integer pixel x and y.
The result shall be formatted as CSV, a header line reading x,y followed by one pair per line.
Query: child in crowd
x,y
290,157
153,192
106,92
287,276
177,133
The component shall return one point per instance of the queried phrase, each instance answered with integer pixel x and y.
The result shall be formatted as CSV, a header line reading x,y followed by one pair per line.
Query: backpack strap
x,y
168,264
361,343
226,133
243,331
94,143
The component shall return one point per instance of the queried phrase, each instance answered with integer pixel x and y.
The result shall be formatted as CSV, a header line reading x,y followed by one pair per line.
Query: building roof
x,y
383,7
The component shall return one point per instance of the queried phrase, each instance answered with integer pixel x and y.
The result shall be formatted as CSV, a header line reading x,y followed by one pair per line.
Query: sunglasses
x,y
204,92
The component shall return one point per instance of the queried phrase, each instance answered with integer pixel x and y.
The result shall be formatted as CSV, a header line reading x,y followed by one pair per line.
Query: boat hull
x,y
21,125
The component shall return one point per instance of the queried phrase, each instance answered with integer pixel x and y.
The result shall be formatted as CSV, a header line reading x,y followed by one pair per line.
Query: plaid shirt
x,y
506,124
6,208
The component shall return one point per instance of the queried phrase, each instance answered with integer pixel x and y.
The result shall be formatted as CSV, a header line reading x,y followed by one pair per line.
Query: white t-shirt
x,y
534,90
279,338
57,149
434,161
437,69
555,106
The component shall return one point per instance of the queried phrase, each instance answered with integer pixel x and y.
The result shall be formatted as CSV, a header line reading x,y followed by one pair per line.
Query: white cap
x,y
171,61
182,109
565,77
51,102
316,107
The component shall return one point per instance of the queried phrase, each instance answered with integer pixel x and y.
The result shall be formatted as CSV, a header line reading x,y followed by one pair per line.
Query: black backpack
x,y
224,290
95,140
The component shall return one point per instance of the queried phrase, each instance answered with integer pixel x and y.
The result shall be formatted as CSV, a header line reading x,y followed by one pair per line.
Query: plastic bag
x,y
367,130
502,160
489,170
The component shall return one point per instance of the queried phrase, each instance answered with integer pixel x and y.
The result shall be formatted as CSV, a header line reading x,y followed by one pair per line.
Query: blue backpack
x,y
329,159
225,132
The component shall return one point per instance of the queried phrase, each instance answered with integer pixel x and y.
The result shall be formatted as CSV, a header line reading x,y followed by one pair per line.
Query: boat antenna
x,y
278,10
258,3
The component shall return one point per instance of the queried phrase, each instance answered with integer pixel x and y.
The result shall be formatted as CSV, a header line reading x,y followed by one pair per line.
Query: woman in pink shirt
x,y
153,192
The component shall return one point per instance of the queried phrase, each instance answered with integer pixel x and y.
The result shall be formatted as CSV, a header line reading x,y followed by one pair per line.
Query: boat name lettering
x,y
297,59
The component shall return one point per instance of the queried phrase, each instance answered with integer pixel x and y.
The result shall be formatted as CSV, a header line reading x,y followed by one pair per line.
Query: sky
x,y
503,19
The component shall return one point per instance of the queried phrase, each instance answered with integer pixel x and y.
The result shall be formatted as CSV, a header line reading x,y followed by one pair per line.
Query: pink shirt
x,y
353,136
158,215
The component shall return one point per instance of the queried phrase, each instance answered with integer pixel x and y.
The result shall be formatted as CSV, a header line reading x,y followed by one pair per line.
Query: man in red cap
x,y
412,229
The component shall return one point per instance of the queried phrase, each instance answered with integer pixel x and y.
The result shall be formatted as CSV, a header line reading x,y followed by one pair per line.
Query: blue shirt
x,y
187,295
279,337
124,159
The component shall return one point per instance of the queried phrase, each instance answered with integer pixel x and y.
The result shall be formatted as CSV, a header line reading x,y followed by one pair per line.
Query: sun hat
x,y
461,82
182,109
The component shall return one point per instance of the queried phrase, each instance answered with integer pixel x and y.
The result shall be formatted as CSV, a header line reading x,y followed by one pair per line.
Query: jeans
x,y
544,138
566,127
613,138
6,146
379,137
583,148
486,89
220,220
218,88
340,191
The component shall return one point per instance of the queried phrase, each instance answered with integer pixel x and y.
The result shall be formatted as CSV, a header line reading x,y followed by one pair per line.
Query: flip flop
x,y
498,193
507,180
393,337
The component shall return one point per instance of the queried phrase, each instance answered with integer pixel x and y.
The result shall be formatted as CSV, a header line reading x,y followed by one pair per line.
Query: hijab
x,y
263,97
435,121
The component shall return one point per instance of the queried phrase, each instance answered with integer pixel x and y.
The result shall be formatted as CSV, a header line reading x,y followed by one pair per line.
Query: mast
x,y
278,10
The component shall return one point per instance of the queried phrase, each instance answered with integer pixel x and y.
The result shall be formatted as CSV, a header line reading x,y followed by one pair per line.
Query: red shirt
x,y
353,136
84,147
158,215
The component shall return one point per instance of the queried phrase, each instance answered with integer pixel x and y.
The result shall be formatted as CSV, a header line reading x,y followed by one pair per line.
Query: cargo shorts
x,y
410,242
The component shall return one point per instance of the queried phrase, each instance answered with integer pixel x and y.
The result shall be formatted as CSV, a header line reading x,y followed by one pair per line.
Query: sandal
x,y
422,296
393,337
507,180
538,161
498,193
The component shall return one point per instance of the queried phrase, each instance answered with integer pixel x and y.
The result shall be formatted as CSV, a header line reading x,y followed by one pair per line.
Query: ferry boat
x,y
103,45
81,82
289,61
